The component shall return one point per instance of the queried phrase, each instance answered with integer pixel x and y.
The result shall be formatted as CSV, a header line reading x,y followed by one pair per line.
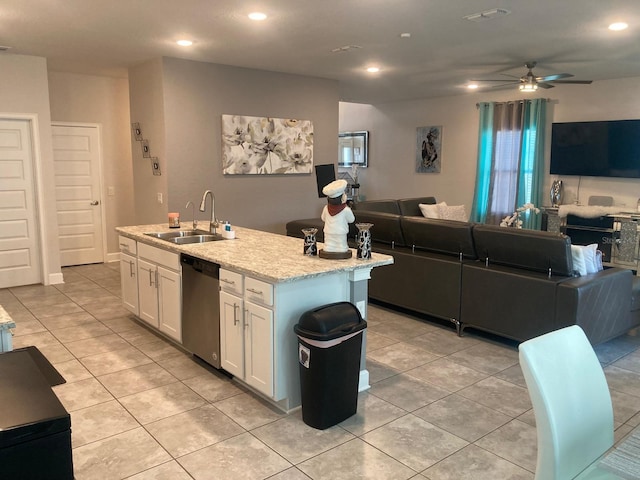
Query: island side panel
x,y
292,300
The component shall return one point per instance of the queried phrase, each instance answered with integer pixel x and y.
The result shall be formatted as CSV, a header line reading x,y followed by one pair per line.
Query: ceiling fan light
x,y
528,87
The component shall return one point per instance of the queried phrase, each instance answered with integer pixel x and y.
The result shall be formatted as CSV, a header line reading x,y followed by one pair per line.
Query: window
x,y
510,160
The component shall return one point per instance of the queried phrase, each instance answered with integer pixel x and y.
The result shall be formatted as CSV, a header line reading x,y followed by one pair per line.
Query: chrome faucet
x,y
193,213
213,225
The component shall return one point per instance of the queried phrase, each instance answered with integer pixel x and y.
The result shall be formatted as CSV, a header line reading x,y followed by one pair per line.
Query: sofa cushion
x,y
410,206
386,227
294,227
528,249
384,206
441,236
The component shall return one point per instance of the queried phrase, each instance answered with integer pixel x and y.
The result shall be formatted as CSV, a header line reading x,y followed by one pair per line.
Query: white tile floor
x,y
440,407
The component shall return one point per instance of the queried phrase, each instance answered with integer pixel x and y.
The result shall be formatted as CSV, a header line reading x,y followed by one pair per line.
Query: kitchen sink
x,y
177,234
195,239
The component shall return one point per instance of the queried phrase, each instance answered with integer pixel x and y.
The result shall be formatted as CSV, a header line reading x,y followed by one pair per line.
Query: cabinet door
x,y
232,334
259,348
169,303
129,282
148,292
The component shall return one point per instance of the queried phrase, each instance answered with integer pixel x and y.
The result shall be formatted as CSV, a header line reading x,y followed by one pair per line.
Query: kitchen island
x,y
267,281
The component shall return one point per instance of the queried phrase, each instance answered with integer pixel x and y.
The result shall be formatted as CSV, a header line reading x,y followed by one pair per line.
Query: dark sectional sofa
x,y
514,283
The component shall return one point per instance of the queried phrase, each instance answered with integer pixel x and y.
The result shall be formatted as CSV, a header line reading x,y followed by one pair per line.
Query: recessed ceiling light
x,y
257,16
373,69
617,26
184,43
405,35
472,86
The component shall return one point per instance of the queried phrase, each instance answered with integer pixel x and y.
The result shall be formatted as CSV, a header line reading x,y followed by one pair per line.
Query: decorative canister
x,y
364,240
310,244
174,220
556,193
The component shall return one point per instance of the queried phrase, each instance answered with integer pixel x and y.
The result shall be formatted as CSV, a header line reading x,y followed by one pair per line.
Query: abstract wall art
x,y
428,149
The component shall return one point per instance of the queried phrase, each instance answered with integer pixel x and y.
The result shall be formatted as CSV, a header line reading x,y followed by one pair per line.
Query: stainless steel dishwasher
x,y
201,308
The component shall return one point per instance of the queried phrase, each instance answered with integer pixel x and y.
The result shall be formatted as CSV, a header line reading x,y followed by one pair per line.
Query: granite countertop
x,y
269,256
6,321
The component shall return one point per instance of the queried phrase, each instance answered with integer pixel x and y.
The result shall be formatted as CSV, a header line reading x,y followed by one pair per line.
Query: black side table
x,y
35,428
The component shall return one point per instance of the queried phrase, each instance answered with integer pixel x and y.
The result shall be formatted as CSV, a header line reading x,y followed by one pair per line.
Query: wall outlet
x,y
159,197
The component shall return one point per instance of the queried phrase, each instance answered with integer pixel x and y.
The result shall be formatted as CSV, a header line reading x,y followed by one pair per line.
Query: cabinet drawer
x,y
258,292
231,281
127,245
159,256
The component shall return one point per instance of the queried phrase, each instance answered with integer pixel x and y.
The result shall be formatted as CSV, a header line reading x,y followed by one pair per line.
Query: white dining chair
x,y
571,402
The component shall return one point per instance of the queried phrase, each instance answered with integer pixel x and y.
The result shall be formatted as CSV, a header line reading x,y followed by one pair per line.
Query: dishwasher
x,y
201,309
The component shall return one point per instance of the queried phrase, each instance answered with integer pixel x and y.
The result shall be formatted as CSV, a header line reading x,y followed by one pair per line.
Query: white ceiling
x,y
444,51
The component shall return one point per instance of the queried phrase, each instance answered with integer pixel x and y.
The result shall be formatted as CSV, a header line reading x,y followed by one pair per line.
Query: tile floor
x,y
440,407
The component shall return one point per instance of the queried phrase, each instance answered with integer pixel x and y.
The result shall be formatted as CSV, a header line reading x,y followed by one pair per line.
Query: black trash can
x,y
330,341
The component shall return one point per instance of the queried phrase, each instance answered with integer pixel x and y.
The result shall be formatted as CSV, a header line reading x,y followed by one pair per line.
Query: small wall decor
x,y
146,151
155,166
428,149
264,145
137,131
353,149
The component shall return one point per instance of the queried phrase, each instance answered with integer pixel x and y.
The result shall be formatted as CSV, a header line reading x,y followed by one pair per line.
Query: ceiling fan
x,y
530,82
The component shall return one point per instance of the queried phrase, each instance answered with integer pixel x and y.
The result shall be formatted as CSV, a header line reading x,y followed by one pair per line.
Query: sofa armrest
x,y
599,302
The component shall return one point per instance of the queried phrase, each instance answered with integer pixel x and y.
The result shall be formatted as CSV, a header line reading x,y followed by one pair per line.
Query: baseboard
x,y
363,383
113,257
55,279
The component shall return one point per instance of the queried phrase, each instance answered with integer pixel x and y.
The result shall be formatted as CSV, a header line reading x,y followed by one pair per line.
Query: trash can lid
x,y
330,321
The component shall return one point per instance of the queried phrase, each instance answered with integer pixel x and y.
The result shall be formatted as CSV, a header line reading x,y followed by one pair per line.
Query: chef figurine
x,y
336,216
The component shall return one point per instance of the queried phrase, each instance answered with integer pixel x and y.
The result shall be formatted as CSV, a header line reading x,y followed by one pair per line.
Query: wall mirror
x,y
353,149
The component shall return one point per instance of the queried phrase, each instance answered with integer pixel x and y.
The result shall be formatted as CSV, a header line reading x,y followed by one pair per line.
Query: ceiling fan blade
x,y
576,82
550,78
494,80
510,84
544,85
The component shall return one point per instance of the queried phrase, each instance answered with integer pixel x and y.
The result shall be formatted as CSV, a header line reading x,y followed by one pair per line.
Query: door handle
x,y
95,202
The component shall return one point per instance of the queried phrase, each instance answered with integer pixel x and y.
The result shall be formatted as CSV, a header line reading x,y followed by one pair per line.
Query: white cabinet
x,y
129,274
160,290
247,330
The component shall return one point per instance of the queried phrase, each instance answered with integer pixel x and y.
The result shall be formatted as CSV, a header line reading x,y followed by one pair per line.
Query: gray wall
x,y
105,101
146,98
194,97
392,140
24,90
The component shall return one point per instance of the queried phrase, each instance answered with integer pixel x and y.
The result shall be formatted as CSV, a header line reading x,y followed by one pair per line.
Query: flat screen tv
x,y
596,149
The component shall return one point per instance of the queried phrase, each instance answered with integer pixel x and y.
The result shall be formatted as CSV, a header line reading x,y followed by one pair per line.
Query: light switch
x,y
111,191
159,196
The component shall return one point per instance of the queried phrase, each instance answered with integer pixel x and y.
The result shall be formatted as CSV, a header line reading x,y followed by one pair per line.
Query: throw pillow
x,y
590,258
577,255
453,212
585,259
430,210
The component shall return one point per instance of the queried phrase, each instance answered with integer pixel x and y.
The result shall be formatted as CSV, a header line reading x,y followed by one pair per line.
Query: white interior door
x,y
76,154
20,254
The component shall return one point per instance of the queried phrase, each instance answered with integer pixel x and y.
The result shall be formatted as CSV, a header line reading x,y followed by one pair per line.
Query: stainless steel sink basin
x,y
195,239
177,234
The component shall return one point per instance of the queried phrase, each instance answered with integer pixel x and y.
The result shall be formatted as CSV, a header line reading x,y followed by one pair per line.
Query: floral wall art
x,y
263,145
